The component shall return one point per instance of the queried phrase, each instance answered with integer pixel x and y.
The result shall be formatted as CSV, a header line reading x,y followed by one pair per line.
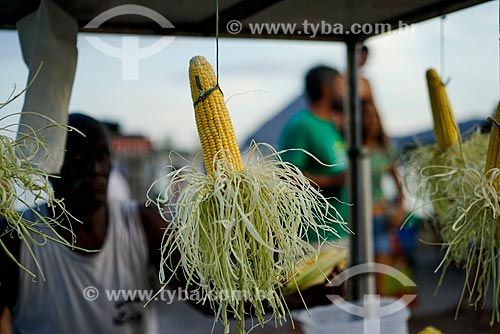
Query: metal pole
x,y
354,143
365,232
361,243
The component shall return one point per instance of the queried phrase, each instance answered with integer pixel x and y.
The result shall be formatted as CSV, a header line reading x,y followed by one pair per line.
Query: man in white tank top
x,y
74,298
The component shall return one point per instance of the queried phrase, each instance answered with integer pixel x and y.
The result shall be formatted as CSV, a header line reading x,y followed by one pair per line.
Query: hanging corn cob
x,y
24,183
239,228
217,137
474,230
463,189
431,169
430,330
493,157
445,127
315,270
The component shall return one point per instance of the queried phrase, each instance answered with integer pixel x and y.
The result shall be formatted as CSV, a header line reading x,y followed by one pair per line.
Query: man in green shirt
x,y
316,130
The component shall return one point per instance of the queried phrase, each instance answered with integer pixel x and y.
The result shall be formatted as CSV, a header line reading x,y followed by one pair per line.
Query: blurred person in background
x,y
364,88
127,235
392,246
317,130
388,213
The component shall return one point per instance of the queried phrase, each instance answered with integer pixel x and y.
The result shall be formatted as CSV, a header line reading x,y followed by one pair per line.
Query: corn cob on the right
x,y
463,189
493,157
445,128
312,273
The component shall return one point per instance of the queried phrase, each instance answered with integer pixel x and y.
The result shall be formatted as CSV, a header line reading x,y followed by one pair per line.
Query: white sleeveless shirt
x,y
77,294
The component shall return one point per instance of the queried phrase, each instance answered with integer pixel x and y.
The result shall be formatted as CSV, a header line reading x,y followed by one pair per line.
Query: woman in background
x,y
387,213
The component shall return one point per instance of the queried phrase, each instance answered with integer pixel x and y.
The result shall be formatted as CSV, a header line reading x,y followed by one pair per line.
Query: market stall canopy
x,y
197,17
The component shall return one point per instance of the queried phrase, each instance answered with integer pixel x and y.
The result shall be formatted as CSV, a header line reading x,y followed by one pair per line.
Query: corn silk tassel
x,y
473,220
23,184
239,228
463,190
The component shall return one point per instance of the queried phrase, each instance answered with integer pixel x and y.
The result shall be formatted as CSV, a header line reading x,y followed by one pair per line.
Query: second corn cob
x,y
445,128
493,157
430,330
312,272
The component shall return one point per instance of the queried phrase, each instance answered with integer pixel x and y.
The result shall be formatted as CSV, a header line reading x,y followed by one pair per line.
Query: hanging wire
x,y
442,58
217,40
205,93
441,45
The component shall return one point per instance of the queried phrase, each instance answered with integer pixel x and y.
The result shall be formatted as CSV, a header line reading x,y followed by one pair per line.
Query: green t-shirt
x,y
381,163
322,139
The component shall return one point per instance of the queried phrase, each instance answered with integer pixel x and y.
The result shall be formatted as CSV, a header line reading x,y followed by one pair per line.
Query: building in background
x,y
137,164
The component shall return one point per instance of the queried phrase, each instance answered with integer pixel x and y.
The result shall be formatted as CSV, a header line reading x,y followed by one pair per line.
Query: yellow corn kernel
x,y
493,157
445,128
215,128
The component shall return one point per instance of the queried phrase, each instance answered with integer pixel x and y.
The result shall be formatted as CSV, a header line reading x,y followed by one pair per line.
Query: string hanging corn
x,y
463,188
240,228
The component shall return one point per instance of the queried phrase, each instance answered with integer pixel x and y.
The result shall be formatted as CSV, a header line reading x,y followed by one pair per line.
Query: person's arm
x,y
395,175
368,95
397,218
327,181
5,319
154,227
9,274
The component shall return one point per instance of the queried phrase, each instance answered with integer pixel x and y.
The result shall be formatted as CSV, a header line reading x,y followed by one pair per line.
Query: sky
x,y
260,77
